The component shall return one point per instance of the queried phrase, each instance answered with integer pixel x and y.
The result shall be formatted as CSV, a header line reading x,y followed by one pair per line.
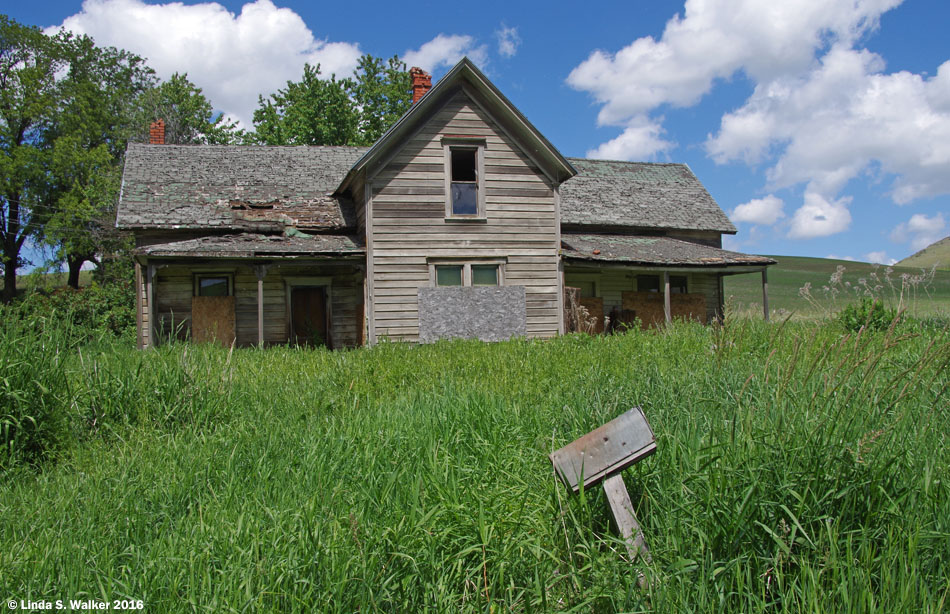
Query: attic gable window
x,y
464,178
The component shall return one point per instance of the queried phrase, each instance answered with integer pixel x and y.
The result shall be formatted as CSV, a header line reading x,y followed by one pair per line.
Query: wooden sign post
x,y
600,456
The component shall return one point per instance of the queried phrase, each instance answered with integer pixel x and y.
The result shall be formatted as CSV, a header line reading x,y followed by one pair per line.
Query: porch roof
x,y
249,245
652,251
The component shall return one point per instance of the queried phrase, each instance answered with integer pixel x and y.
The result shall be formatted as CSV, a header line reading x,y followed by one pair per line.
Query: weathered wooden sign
x,y
608,449
600,456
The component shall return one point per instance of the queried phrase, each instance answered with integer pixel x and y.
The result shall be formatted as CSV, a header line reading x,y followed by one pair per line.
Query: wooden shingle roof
x,y
235,187
652,251
611,194
252,245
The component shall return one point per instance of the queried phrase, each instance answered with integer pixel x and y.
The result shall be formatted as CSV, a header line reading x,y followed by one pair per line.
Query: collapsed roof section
x,y
250,188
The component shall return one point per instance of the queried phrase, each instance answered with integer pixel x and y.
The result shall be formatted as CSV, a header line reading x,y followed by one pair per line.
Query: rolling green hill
x,y
936,253
793,272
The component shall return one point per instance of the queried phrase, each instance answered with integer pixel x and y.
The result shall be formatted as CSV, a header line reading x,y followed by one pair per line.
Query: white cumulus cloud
x,y
834,121
233,58
641,140
713,40
920,231
762,211
508,41
824,110
879,257
820,217
445,51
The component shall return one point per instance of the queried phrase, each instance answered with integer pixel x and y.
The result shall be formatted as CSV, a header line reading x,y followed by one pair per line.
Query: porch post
x,y
667,312
260,270
150,307
765,293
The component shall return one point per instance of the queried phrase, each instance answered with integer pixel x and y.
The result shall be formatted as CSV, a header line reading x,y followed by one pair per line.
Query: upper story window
x,y
464,183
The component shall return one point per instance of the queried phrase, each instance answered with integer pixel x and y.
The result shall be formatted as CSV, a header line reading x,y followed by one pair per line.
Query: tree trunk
x,y
75,265
9,280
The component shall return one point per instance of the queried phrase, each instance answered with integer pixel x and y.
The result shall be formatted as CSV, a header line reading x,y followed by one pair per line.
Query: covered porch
x,y
248,289
622,279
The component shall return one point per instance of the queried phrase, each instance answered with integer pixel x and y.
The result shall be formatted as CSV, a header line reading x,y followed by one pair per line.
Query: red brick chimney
x,y
156,132
421,83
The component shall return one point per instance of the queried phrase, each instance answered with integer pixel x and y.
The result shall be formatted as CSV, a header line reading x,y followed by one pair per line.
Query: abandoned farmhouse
x,y
462,220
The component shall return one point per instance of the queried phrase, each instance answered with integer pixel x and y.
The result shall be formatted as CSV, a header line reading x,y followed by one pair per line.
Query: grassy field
x,y
936,254
791,273
47,281
798,469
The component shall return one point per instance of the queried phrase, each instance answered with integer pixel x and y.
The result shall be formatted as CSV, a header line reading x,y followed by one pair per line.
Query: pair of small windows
x,y
651,283
455,275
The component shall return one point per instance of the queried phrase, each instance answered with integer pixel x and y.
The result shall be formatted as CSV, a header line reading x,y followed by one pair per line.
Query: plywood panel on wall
x,y
212,320
649,308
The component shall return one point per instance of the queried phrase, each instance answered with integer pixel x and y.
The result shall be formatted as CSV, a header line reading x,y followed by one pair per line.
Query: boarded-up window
x,y
212,309
212,319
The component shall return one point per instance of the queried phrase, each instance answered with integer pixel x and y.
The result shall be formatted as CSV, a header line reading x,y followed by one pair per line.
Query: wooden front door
x,y
308,313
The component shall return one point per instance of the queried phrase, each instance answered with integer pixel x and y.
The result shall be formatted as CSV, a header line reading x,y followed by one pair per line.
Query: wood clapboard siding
x,y
174,289
409,224
611,284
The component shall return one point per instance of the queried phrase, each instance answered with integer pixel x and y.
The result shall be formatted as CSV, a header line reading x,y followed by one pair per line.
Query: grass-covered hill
x,y
934,254
922,293
799,468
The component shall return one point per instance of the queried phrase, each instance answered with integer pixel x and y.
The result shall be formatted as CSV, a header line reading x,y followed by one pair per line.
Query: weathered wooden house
x,y
462,220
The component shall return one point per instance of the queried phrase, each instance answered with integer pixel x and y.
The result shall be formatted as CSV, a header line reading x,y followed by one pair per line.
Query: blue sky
x,y
822,128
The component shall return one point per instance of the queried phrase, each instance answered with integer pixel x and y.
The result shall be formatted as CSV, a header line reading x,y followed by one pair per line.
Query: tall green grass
x,y
799,468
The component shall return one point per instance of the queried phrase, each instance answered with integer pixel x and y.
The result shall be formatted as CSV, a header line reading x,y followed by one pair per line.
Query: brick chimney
x,y
421,83
156,132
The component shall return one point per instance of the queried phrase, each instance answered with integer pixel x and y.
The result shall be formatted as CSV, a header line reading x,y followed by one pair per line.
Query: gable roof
x,y
467,76
614,194
235,187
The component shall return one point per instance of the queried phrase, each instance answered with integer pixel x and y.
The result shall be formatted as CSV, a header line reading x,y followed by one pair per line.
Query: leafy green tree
x,y
382,93
188,115
313,111
349,111
29,101
97,115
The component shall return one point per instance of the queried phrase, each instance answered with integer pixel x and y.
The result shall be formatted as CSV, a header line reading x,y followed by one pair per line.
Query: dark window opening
x,y
213,286
464,181
463,165
648,283
677,284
